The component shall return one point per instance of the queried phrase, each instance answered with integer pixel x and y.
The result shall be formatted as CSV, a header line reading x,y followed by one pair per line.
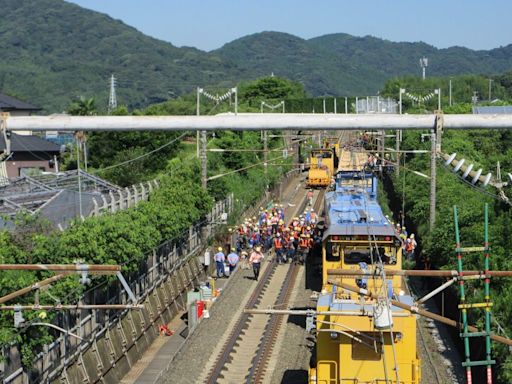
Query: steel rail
x,y
260,362
240,122
257,371
222,359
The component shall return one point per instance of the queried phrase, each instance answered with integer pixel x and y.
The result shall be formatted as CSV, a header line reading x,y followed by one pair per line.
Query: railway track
x,y
245,355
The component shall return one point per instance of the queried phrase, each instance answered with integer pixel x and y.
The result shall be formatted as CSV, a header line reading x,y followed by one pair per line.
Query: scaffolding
x,y
486,305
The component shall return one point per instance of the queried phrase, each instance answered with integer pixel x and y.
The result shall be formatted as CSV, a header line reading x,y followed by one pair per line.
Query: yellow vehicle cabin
x,y
334,143
321,167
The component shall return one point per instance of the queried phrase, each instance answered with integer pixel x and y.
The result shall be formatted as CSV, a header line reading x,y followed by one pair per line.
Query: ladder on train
x,y
486,305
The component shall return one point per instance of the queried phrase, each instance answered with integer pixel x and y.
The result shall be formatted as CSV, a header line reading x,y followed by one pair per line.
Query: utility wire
x,y
141,156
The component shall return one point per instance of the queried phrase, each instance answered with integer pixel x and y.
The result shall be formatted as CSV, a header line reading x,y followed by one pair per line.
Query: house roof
x,y
22,143
8,103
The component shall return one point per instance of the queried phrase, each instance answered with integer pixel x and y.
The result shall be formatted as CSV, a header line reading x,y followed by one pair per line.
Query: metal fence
x,y
376,104
91,324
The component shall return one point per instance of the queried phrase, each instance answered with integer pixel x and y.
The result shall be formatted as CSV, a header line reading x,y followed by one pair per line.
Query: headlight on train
x,y
334,335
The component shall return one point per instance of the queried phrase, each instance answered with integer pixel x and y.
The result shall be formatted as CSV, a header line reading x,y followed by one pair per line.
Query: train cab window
x,y
333,252
356,256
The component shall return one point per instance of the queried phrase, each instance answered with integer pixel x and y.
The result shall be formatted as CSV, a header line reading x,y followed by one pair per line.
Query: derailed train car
x,y
362,340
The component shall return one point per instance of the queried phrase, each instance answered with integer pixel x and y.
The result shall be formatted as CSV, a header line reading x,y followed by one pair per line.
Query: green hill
x,y
54,51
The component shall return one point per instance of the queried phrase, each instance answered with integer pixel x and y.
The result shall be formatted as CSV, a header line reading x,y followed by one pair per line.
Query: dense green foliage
x,y
484,149
123,238
62,51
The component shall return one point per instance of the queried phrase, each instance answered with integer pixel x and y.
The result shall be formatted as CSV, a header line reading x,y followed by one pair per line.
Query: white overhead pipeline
x,y
261,121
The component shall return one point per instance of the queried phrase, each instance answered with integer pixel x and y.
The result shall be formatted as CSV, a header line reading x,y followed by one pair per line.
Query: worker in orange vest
x,y
278,246
303,248
410,246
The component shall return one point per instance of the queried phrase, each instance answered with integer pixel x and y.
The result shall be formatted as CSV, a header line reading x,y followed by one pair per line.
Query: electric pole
x,y
204,160
435,137
265,150
450,92
201,144
198,112
398,138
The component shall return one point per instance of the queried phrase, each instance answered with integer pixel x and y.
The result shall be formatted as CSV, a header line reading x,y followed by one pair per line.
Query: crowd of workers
x,y
267,234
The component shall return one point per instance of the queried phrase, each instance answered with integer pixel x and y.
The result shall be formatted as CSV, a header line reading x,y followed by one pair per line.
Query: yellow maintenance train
x,y
321,168
323,163
361,336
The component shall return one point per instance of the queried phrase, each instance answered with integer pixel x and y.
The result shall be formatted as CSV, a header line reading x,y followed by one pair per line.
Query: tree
x,y
270,88
83,107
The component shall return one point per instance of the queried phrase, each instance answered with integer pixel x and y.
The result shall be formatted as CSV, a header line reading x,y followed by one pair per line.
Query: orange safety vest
x,y
277,243
303,243
409,245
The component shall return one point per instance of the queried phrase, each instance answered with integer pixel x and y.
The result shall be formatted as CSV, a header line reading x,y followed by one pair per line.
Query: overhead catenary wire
x,y
243,169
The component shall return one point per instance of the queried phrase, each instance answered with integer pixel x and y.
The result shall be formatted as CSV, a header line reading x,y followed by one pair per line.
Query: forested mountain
x,y
54,51
341,64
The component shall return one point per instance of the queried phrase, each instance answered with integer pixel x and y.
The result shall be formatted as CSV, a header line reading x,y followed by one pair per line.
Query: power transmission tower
x,y
112,100
423,65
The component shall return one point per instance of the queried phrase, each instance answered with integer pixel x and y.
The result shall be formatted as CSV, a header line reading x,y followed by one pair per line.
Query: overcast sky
x,y
209,24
